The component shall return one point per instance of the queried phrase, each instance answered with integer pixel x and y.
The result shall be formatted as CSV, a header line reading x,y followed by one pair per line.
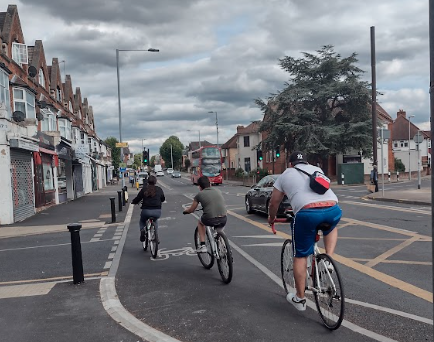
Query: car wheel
x,y
249,206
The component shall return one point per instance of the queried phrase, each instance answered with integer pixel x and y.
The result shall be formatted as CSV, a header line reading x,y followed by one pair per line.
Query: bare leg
x,y
300,265
201,229
330,241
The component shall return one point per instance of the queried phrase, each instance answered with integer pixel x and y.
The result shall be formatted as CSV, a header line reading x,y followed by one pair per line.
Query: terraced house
x,y
49,150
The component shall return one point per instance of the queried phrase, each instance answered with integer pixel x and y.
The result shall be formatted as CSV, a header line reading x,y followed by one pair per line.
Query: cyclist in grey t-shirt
x,y
214,209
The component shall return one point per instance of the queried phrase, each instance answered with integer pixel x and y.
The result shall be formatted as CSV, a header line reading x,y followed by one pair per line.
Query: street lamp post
x,y
216,124
119,100
171,155
141,162
190,130
409,156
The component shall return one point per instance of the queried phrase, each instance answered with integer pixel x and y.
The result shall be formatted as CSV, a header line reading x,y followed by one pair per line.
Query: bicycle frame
x,y
213,234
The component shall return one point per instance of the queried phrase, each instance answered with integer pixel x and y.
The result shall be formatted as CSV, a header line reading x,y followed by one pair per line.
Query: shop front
x,y
64,172
22,178
46,163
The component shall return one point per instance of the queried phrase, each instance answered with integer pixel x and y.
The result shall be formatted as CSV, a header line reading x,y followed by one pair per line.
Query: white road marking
x,y
111,255
271,244
259,236
310,303
380,206
107,265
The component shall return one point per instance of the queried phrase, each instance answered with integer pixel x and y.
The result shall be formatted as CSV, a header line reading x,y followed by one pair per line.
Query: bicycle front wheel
x,y
287,266
329,299
153,241
224,262
206,259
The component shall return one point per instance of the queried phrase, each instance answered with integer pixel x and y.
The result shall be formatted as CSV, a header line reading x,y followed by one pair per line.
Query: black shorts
x,y
216,222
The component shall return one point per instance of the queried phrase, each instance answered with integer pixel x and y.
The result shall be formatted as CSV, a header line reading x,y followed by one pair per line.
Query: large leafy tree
x,y
177,148
137,160
324,108
116,152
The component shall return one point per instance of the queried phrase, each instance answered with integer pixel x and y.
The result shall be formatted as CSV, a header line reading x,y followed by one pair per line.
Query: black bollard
x,y
77,262
123,196
120,200
112,205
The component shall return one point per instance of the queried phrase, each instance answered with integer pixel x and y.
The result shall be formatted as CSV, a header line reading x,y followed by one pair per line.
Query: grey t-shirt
x,y
212,202
295,185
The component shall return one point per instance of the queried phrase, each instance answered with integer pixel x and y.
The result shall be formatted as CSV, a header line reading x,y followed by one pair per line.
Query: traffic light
x,y
145,156
259,155
277,152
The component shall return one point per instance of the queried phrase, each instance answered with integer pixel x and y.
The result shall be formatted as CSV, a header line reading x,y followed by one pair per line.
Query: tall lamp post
x,y
119,100
216,124
409,156
141,162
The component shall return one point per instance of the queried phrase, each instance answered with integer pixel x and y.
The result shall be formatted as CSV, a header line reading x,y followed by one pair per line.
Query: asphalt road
x,y
384,255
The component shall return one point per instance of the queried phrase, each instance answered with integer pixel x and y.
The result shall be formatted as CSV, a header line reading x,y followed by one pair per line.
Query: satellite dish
x,y
42,104
32,71
18,116
39,116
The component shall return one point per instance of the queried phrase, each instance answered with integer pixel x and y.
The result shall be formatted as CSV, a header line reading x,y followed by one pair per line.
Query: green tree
x,y
152,162
116,152
324,109
177,148
399,165
137,160
187,163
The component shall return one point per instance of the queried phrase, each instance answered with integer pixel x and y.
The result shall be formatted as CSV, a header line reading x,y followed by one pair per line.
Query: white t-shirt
x,y
295,185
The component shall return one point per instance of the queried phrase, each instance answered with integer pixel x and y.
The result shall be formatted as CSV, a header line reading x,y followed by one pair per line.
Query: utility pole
x,y
374,96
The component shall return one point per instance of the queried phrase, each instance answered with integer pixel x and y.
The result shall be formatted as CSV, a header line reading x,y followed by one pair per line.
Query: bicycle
x,y
323,280
218,248
151,237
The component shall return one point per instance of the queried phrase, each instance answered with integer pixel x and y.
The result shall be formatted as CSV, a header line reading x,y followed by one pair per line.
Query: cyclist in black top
x,y
151,196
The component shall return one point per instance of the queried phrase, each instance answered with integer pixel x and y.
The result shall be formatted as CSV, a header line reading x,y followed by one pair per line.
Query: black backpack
x,y
318,181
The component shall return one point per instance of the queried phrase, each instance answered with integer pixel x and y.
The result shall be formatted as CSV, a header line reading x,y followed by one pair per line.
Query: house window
x,y
247,167
406,144
70,107
59,94
19,53
246,141
24,101
395,144
4,92
65,128
49,121
83,137
41,78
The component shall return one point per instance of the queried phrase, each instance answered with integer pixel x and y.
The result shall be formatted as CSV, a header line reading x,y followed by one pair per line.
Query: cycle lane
x,y
177,296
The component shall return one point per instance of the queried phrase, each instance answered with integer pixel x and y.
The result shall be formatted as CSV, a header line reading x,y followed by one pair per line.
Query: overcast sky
x,y
219,56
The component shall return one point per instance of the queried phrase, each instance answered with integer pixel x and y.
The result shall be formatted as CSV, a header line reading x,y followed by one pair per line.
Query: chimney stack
x,y
401,113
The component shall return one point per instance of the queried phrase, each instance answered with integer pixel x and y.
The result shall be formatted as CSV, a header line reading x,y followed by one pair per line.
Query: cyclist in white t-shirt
x,y
310,209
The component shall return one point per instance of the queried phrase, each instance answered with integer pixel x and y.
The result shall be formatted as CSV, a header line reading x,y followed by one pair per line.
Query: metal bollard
x,y
112,206
77,262
397,176
342,178
389,176
123,196
120,200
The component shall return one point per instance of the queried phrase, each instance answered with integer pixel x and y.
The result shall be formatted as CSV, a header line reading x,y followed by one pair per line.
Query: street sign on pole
x,y
122,144
418,138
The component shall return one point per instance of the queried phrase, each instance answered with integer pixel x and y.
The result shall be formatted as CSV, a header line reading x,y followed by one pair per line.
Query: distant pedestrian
x,y
374,177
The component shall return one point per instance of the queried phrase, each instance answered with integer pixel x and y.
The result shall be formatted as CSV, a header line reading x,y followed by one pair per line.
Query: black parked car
x,y
258,197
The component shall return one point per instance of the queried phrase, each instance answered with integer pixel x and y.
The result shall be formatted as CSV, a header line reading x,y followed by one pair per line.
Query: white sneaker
x,y
202,249
300,305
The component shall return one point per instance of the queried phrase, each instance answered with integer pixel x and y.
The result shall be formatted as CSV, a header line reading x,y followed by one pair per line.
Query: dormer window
x,y
41,78
59,94
19,53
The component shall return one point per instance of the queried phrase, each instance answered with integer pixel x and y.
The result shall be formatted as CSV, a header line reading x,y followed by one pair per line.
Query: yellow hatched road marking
x,y
25,290
392,281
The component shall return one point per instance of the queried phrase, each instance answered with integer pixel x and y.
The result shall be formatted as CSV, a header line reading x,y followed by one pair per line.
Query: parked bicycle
x,y
323,280
151,237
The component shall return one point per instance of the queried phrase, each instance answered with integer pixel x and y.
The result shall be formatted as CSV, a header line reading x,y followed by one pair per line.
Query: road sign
x,y
122,144
122,169
418,138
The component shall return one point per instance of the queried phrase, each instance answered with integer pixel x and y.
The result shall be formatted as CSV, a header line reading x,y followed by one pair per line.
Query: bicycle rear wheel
x,y
206,259
224,262
330,300
286,266
146,242
153,242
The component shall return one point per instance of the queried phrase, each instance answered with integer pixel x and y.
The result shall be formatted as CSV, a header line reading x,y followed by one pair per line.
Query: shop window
x,y
24,101
61,177
48,176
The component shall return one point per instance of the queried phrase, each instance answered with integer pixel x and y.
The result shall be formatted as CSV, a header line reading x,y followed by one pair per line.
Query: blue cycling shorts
x,y
304,227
